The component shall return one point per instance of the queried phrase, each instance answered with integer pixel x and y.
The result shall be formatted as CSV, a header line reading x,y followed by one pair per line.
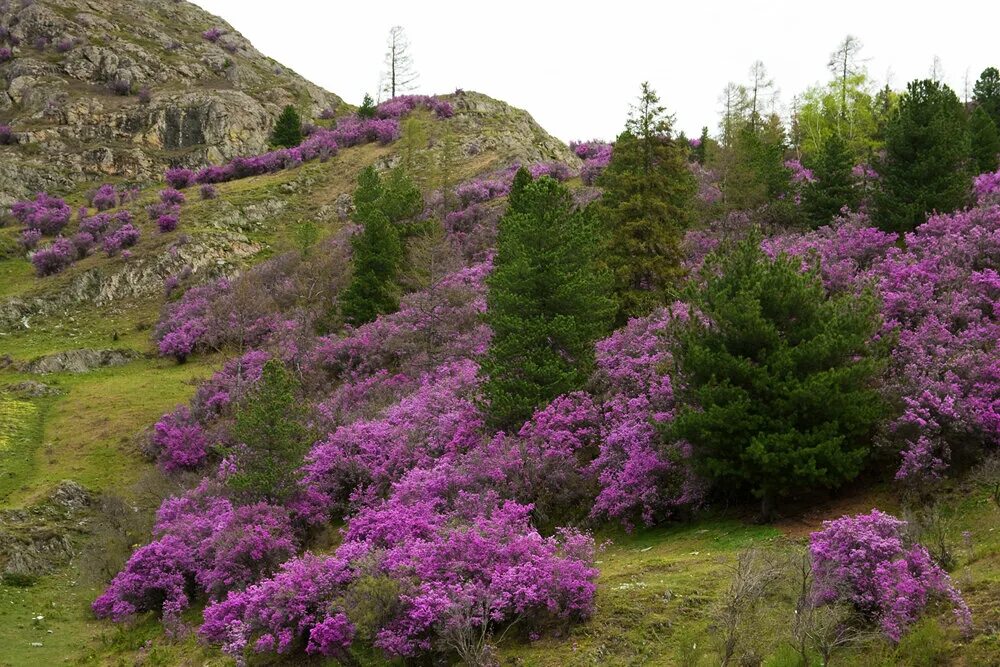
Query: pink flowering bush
x,y
125,236
403,104
863,560
167,223
105,197
46,214
986,188
29,238
180,441
179,177
172,197
54,257
596,156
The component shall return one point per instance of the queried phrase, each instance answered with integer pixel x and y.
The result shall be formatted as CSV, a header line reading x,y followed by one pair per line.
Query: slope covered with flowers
x,y
453,532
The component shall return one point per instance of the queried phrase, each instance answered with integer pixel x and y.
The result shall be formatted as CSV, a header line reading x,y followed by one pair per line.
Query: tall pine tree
x,y
287,129
547,302
985,141
646,207
834,186
986,93
377,254
776,376
926,163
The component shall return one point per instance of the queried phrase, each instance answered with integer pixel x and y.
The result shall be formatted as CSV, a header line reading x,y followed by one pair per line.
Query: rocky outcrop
x,y
36,540
32,389
202,101
79,361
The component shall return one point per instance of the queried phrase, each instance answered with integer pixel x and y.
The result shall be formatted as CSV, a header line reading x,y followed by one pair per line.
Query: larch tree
x,y
400,76
646,207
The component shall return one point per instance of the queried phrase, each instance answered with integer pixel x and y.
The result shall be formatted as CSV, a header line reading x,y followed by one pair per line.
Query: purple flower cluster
x,y
800,174
104,198
864,561
401,105
213,34
987,188
54,257
596,156
179,177
7,136
125,236
45,213
6,54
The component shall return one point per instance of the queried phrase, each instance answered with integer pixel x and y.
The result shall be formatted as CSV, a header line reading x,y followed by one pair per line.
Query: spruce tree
x,y
985,141
367,108
775,376
926,162
377,254
702,148
834,187
986,93
270,438
547,302
287,129
646,207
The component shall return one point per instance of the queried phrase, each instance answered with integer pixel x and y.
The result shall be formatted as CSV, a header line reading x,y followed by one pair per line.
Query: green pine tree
x,y
986,93
367,108
702,148
985,141
778,395
270,439
547,302
377,253
287,129
646,207
834,186
925,167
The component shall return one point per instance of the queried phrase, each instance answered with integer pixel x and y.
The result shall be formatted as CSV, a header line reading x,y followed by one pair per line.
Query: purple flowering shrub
x,y
403,104
125,236
167,223
29,238
6,54
208,191
181,443
596,156
864,561
172,197
54,257
179,177
104,198
7,135
986,188
46,214
213,34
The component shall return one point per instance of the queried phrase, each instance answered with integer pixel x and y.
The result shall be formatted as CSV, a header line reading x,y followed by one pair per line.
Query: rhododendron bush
x,y
864,561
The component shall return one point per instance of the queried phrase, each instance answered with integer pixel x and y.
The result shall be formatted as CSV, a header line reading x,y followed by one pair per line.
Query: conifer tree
x,y
377,254
986,93
287,129
271,440
775,376
547,302
646,207
699,152
985,141
834,187
367,108
926,163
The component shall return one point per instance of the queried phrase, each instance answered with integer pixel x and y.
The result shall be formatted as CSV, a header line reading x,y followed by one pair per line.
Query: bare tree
x,y
936,71
399,76
820,628
761,91
734,106
845,64
752,576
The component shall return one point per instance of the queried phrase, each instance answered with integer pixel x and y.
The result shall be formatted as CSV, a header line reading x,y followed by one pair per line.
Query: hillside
x,y
253,407
71,91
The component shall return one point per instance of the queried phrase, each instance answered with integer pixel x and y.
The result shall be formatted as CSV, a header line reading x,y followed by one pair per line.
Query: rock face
x,y
38,539
71,92
79,361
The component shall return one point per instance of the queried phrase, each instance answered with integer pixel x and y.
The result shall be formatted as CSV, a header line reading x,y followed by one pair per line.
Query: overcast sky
x,y
576,66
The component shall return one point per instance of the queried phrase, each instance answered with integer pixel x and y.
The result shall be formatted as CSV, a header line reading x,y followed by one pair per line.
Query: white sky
x,y
576,66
